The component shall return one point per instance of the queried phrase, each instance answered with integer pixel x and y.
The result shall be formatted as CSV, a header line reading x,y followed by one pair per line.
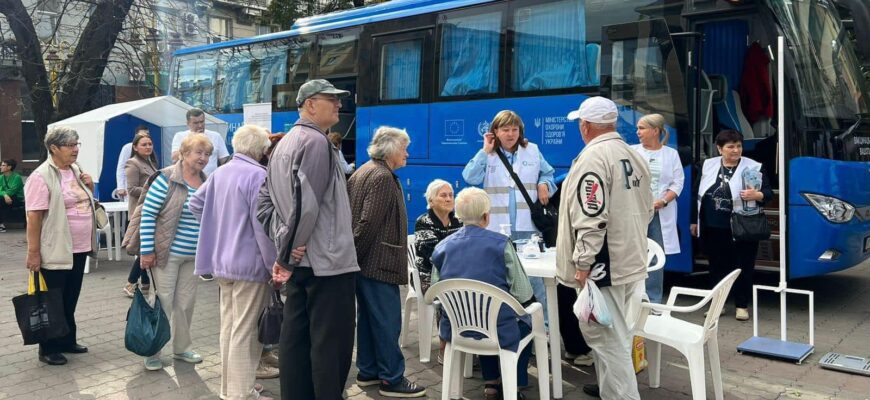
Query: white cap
x,y
596,109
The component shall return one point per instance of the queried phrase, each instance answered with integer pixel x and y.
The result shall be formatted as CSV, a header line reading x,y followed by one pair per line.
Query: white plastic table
x,y
545,267
117,211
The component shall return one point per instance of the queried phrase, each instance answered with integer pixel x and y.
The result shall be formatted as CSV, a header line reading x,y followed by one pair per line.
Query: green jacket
x,y
12,186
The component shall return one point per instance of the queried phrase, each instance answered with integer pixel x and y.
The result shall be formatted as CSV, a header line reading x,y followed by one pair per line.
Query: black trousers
x,y
70,282
725,256
5,208
136,272
569,326
317,335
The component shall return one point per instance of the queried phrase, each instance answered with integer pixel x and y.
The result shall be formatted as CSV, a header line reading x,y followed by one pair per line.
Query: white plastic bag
x,y
590,305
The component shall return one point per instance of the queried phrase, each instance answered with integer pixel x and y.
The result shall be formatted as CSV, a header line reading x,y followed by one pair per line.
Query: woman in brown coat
x,y
380,229
141,165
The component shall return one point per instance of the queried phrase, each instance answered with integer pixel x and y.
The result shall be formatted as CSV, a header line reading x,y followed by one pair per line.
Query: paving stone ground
x,y
108,371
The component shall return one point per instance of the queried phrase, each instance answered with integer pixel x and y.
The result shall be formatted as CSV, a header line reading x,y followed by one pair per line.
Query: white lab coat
x,y
672,178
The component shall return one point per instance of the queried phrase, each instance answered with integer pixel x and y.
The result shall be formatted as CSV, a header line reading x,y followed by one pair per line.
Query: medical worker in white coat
x,y
667,183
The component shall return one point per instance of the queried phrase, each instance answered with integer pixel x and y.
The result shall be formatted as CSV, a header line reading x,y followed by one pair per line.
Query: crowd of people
x,y
280,213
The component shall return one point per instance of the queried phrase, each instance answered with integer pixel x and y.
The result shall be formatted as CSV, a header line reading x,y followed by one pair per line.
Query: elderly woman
x,y
723,190
235,249
667,183
380,226
433,226
474,252
512,214
60,231
169,235
138,168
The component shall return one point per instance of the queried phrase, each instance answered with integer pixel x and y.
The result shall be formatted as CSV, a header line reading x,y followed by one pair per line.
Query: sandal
x,y
492,391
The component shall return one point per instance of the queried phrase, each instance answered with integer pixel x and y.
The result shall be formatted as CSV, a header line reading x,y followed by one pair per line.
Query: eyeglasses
x,y
73,144
333,100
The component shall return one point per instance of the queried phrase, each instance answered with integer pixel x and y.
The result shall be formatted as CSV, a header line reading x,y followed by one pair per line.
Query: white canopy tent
x,y
166,112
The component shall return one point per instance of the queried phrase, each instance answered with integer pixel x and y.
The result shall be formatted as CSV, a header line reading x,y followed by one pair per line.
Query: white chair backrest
x,y
472,306
655,256
412,266
718,295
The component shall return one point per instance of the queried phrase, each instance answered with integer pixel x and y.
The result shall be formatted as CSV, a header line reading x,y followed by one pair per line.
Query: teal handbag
x,y
147,326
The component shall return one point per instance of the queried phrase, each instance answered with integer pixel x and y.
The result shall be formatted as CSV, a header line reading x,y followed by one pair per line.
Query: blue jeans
x,y
379,323
489,365
656,280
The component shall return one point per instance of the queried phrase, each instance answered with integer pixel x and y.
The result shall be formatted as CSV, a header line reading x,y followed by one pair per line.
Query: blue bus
x,y
443,69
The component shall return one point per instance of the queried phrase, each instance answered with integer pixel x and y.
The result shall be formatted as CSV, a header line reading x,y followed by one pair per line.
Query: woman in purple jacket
x,y
235,249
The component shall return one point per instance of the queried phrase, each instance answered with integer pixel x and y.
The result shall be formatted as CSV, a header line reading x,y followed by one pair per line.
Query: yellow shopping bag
x,y
638,354
31,288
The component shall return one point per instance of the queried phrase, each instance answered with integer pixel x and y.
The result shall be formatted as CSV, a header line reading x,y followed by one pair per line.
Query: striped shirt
x,y
187,234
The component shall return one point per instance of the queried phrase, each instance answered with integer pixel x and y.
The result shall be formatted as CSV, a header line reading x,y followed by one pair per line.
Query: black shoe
x,y
592,390
362,381
76,349
403,389
207,277
53,359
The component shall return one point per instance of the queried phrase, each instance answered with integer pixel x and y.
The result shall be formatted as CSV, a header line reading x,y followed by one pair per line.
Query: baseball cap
x,y
596,109
316,86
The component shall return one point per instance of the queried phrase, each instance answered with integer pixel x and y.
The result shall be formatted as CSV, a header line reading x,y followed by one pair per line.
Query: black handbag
x,y
749,228
545,217
40,315
147,326
270,320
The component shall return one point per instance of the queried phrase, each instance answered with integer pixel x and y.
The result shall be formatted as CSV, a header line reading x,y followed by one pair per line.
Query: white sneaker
x,y
267,372
188,356
153,363
584,360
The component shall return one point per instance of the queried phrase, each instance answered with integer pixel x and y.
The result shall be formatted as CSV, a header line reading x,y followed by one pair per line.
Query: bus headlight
x,y
832,208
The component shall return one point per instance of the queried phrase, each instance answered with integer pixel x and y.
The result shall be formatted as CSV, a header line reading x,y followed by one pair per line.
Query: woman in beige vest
x,y
60,231
139,167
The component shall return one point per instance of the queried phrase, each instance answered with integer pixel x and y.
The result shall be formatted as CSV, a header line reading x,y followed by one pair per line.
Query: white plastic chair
x,y
473,306
655,253
425,312
688,338
107,232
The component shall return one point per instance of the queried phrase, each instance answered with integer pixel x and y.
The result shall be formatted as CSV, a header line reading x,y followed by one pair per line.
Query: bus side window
x,y
400,68
298,67
550,49
469,61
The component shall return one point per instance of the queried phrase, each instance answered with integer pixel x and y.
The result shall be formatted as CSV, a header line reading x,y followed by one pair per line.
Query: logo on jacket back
x,y
591,195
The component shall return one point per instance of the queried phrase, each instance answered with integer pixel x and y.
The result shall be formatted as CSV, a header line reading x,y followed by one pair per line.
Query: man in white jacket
x,y
603,218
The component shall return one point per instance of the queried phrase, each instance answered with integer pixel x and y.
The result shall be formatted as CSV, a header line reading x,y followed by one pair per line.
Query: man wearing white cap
x,y
602,225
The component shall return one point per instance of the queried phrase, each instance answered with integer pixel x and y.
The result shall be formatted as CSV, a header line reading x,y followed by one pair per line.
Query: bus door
x,y
640,71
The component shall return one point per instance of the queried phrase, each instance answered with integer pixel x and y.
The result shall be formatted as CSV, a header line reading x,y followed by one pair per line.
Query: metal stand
x,y
780,348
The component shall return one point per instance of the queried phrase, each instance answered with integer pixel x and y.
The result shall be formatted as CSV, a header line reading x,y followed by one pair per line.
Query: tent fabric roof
x,y
166,112
161,111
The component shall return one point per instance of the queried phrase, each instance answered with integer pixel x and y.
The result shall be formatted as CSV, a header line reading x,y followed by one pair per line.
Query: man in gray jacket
x,y
305,208
605,209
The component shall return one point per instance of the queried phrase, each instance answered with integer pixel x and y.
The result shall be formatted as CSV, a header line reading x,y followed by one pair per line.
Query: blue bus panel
x,y
445,136
850,181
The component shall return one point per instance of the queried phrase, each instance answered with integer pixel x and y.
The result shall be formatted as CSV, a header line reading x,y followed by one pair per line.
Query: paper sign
x,y
259,114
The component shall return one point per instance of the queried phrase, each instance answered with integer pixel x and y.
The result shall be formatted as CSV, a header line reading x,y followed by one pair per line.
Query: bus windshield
x,y
830,85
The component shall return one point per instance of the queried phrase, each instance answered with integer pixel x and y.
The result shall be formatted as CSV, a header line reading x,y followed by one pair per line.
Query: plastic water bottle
x,y
505,229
